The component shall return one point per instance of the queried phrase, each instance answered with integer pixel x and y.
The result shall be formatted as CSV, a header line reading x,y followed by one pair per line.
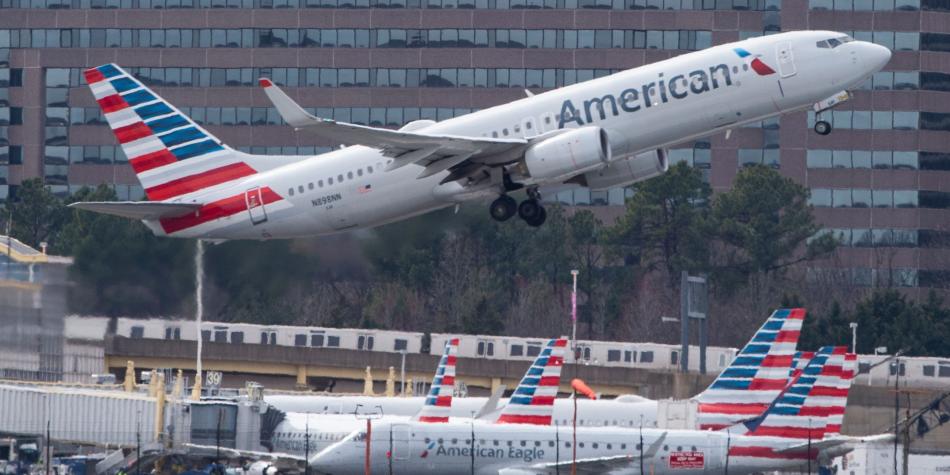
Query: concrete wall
x,y
244,362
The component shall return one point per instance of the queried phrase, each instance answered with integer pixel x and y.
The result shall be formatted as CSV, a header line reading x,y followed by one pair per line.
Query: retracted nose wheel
x,y
503,208
822,127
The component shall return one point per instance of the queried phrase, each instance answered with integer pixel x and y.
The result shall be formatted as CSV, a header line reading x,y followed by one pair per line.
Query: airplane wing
x,y
436,152
819,445
830,443
138,209
280,459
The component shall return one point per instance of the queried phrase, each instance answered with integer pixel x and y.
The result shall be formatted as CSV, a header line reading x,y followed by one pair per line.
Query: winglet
x,y
491,405
292,113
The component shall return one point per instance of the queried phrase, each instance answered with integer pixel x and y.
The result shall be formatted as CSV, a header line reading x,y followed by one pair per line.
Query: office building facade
x,y
878,181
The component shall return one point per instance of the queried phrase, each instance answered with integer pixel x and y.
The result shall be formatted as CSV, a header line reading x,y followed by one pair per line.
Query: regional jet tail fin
x,y
533,399
807,409
438,404
436,152
757,375
148,210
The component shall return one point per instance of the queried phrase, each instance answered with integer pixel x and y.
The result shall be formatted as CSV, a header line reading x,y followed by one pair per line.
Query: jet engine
x,y
627,171
262,467
568,154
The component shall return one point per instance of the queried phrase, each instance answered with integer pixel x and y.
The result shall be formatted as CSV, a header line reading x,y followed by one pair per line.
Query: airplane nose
x,y
875,56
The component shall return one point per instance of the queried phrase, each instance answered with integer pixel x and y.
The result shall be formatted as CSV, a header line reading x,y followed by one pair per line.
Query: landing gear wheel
x,y
503,208
539,219
529,209
822,127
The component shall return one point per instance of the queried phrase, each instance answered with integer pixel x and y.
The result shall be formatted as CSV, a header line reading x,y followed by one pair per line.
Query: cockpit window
x,y
834,42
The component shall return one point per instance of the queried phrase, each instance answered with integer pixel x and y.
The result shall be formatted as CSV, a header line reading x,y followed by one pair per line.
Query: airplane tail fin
x,y
438,403
756,376
171,155
533,399
837,393
806,410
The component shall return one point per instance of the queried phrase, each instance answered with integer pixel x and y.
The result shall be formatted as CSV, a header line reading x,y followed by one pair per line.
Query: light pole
x,y
574,313
369,416
854,336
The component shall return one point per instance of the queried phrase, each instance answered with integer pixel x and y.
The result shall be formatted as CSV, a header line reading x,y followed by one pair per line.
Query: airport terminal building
x,y
881,179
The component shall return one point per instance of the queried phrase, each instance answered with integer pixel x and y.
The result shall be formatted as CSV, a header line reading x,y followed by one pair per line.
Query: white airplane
x,y
787,436
742,391
602,133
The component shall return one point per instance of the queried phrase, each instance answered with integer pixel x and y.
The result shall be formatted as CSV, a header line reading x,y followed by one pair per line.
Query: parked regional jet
x,y
742,391
786,436
294,436
602,133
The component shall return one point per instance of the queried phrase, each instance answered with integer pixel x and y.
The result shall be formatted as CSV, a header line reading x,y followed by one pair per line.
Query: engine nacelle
x,y
628,170
568,154
262,467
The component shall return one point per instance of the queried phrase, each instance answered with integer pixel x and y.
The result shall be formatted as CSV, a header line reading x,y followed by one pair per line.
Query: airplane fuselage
x,y
481,448
642,109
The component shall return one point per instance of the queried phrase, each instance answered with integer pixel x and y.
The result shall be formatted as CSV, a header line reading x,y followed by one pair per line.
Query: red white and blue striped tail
x,y
438,403
758,374
533,399
171,155
800,414
799,362
806,408
837,397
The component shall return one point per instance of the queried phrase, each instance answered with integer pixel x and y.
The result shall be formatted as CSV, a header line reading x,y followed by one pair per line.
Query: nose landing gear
x,y
823,127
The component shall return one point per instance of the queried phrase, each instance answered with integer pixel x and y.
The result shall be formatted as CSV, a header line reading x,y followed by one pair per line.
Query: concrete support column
x,y
302,377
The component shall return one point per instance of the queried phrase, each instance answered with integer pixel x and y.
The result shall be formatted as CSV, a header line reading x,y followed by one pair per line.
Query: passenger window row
x,y
525,443
339,180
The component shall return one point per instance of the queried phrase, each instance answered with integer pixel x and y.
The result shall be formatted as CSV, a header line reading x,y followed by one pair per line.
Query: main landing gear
x,y
530,210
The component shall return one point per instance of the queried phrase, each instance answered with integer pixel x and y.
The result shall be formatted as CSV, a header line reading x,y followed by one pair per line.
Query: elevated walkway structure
x,y
33,289
110,418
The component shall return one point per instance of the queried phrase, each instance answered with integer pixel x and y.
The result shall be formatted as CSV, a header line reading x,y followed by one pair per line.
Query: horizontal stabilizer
x,y
138,209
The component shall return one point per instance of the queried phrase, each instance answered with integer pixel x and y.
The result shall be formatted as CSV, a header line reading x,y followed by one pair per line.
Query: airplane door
x,y
255,205
401,442
786,61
